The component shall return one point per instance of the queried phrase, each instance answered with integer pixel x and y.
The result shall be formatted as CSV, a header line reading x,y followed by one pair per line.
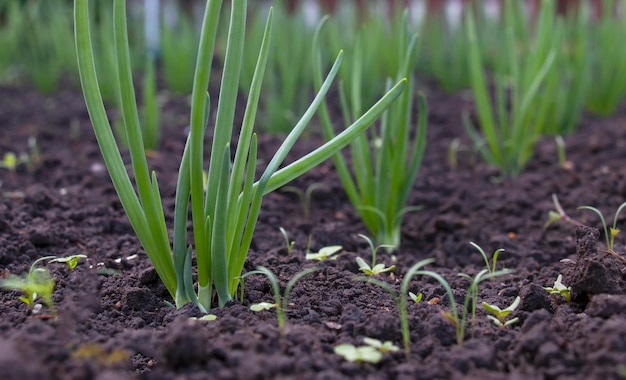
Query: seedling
x,y
560,150
289,243
559,214
324,253
374,269
37,283
417,298
70,261
385,347
9,161
361,354
499,315
401,300
280,302
610,232
205,318
559,289
491,267
304,196
471,296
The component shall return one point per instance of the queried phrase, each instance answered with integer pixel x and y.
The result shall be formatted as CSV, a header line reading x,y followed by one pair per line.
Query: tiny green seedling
x,y
400,299
560,150
491,266
205,318
559,289
37,283
559,214
263,306
289,243
374,269
70,261
304,196
609,232
280,302
499,315
383,347
361,354
9,161
325,253
417,298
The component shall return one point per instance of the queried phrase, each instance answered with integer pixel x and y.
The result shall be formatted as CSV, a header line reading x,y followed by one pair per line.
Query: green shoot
x,y
374,269
417,298
611,231
205,318
225,212
280,301
325,253
559,214
361,354
499,315
385,347
70,261
372,352
304,196
289,243
401,300
471,296
559,289
560,150
9,162
36,283
491,267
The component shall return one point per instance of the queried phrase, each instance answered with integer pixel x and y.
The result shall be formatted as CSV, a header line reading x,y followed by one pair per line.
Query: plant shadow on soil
x,y
113,322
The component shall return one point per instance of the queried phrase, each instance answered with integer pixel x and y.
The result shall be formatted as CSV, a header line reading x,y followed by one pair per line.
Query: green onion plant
x,y
509,128
385,162
225,211
608,57
179,45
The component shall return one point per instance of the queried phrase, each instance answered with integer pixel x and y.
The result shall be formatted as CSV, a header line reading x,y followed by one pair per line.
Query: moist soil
x,y
114,321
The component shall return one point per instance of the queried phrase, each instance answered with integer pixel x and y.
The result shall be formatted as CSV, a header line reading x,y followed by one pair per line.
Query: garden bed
x,y
113,321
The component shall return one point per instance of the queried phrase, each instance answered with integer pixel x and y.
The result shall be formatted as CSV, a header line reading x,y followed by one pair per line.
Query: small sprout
x,y
417,298
262,306
9,161
558,214
385,347
362,354
491,267
499,315
37,283
70,261
325,253
453,151
289,243
304,196
560,150
206,317
559,289
280,300
376,270
611,231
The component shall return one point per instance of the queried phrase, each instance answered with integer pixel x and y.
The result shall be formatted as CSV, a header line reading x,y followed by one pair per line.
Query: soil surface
x,y
114,323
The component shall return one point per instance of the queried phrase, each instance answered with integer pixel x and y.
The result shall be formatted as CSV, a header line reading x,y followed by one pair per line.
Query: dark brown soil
x,y
115,324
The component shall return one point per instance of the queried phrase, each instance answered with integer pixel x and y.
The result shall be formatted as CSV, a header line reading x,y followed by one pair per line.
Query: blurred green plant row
x,y
36,39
